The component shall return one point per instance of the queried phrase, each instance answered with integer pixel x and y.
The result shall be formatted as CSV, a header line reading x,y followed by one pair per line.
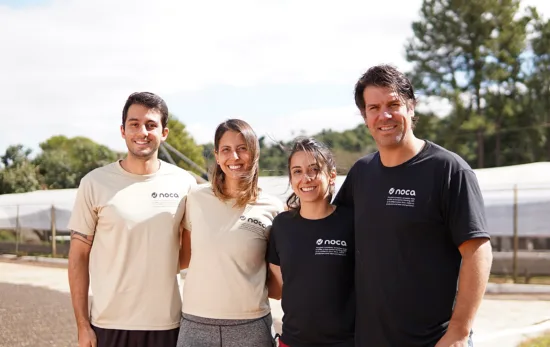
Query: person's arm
x,y
79,282
82,224
467,222
474,274
275,282
185,248
185,234
274,275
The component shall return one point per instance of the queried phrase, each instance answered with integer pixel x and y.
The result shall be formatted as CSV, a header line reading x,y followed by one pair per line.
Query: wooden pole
x,y
54,236
17,231
516,237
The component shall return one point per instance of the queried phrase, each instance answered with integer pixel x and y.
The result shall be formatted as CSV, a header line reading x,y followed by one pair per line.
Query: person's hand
x,y
86,337
453,339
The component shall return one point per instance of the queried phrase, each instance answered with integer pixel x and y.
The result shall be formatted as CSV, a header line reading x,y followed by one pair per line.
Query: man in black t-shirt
x,y
419,227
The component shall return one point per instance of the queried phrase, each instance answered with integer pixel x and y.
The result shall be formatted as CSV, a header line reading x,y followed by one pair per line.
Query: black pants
x,y
136,338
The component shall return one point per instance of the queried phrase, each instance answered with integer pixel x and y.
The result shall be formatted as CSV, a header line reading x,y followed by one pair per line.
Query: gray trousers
x,y
205,332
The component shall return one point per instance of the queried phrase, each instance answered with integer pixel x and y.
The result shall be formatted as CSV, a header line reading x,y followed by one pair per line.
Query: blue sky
x,y
23,3
284,66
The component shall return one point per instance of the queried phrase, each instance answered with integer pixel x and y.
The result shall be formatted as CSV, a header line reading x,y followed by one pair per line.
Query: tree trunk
x,y
480,149
497,146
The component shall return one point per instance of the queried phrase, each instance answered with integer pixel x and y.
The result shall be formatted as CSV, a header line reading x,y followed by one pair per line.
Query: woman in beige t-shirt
x,y
225,232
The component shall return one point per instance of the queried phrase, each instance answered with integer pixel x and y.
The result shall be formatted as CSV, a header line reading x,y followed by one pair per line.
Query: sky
x,y
286,67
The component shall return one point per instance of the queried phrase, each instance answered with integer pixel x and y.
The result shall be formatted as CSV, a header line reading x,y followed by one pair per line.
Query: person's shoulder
x,y
173,170
282,220
99,174
344,212
270,201
363,162
446,158
285,216
203,189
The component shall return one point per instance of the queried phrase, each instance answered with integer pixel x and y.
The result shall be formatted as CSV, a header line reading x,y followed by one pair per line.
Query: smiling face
x,y
387,116
309,182
143,131
233,155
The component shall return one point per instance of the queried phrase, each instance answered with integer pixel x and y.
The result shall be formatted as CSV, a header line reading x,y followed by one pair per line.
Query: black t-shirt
x,y
317,263
409,221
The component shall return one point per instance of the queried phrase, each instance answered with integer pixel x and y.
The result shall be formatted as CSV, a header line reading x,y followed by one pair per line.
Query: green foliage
x,y
18,175
491,63
63,161
180,139
347,146
19,178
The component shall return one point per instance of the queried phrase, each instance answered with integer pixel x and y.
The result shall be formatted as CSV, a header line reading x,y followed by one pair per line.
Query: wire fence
x,y
518,220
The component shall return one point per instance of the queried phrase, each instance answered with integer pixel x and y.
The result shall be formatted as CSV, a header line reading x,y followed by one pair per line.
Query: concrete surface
x,y
499,323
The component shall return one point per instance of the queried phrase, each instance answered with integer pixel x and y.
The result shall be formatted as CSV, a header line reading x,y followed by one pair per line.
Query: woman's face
x,y
309,182
233,155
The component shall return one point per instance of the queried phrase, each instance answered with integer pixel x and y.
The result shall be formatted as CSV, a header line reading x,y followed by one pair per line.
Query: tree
x,y
180,139
464,50
537,99
18,175
15,155
64,161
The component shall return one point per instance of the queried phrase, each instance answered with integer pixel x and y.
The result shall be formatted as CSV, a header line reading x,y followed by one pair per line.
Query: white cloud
x,y
310,122
287,126
67,67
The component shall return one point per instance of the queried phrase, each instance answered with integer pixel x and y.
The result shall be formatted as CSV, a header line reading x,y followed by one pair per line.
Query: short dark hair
x,y
149,100
385,76
324,159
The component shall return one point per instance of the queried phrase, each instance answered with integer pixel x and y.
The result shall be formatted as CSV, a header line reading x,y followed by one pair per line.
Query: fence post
x,y
17,231
516,238
54,236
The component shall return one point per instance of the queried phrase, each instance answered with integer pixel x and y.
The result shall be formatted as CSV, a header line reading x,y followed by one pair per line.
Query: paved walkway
x,y
500,323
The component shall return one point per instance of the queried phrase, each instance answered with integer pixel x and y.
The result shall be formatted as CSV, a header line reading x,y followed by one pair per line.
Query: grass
x,y
540,341
7,235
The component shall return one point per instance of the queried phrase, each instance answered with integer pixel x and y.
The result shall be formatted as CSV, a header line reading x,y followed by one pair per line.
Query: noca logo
x,y
255,221
164,195
409,192
332,242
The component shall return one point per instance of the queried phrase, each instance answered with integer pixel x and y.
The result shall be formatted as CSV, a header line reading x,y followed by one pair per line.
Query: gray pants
x,y
205,332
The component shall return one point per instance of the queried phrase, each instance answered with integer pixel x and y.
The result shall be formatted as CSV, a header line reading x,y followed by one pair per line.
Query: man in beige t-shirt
x,y
125,240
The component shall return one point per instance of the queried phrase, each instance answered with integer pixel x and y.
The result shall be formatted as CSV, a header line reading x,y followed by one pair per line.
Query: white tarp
x,y
497,184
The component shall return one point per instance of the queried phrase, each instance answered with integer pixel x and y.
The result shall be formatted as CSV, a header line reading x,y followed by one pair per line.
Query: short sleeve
x,y
466,211
84,215
186,220
272,253
344,197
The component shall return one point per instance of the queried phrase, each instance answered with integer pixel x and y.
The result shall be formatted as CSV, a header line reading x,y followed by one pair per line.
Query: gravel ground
x,y
35,317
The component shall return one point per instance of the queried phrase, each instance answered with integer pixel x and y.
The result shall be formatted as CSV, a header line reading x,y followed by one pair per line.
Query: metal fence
x,y
518,220
34,229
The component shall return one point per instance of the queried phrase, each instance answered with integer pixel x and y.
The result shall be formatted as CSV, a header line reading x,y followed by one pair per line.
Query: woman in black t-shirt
x,y
311,254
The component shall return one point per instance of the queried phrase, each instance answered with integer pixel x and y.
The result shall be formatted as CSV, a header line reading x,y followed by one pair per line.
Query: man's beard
x,y
144,155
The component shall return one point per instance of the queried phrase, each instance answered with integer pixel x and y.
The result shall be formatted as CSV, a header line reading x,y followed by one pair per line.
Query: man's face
x,y
143,131
387,116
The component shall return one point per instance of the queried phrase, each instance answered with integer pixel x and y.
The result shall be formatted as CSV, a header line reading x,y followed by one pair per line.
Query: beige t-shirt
x,y
134,256
226,278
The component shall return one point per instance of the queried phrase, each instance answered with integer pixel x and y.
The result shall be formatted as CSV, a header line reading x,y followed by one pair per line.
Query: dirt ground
x,y
33,317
